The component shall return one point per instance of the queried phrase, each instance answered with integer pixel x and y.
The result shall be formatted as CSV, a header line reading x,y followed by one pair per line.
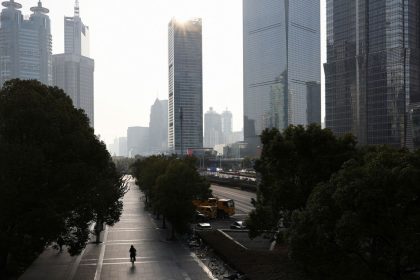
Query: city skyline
x,y
122,98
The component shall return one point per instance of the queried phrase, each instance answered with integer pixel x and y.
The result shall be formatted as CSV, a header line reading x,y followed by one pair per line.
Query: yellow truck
x,y
215,207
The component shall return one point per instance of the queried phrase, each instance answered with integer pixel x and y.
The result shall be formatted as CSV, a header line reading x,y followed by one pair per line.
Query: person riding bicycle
x,y
133,252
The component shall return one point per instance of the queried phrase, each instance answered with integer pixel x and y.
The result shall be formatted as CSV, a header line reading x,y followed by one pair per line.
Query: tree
x,y
364,223
56,176
292,163
123,164
175,191
146,171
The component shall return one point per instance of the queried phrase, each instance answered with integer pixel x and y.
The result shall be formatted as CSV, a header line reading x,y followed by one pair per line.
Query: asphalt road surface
x,y
242,198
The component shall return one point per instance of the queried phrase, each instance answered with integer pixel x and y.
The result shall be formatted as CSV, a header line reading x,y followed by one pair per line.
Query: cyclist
x,y
133,253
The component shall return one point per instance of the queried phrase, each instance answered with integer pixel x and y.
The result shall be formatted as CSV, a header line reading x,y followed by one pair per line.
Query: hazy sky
x,y
129,45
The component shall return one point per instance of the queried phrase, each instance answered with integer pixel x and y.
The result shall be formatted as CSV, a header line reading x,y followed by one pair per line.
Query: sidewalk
x,y
157,259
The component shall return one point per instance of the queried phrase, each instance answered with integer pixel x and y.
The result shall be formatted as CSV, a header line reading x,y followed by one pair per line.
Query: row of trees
x,y
56,177
349,212
169,185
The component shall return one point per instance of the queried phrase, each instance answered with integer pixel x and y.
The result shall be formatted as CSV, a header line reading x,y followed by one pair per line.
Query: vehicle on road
x,y
238,225
215,207
200,217
203,226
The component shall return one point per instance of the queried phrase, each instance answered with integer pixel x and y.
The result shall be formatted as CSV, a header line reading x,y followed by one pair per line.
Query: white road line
x,y
101,256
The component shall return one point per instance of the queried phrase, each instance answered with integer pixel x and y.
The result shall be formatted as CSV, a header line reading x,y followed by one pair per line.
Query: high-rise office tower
x,y
185,85
74,69
227,122
313,97
226,126
25,44
281,55
137,141
372,70
122,147
158,127
212,129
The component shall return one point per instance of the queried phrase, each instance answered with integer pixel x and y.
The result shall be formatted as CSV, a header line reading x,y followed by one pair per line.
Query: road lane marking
x,y
101,256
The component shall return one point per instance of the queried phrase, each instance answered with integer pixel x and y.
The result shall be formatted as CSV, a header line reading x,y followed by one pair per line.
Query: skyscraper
x,y
122,147
212,129
185,85
137,141
372,70
313,97
74,70
227,122
25,44
158,127
281,55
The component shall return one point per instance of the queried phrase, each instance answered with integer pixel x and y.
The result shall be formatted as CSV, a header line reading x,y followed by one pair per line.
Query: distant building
x,y
372,74
212,129
73,70
185,67
25,44
313,99
226,126
282,53
236,136
137,141
158,127
122,147
235,150
113,147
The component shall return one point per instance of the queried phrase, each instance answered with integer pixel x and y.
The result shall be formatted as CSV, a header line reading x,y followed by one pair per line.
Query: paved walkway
x,y
157,259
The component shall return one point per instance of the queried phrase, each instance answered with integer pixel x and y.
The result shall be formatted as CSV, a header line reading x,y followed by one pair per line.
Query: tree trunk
x,y
3,262
163,222
99,227
173,233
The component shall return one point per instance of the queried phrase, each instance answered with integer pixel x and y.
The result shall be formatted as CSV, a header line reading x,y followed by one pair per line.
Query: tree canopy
x,y
292,163
170,185
56,176
364,223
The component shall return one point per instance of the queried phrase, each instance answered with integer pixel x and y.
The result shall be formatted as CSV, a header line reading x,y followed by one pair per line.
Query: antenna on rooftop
x,y
76,9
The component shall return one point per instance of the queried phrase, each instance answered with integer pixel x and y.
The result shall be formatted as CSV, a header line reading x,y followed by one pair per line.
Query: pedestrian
x,y
60,243
133,253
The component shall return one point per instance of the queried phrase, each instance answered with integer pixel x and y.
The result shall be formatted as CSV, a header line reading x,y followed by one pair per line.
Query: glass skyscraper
x,y
281,56
185,85
74,69
25,44
372,70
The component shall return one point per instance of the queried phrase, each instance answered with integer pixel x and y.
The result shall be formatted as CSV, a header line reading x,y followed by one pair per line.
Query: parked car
x,y
203,226
238,225
200,217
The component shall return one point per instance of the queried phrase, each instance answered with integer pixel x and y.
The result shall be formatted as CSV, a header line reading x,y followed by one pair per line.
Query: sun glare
x,y
184,18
